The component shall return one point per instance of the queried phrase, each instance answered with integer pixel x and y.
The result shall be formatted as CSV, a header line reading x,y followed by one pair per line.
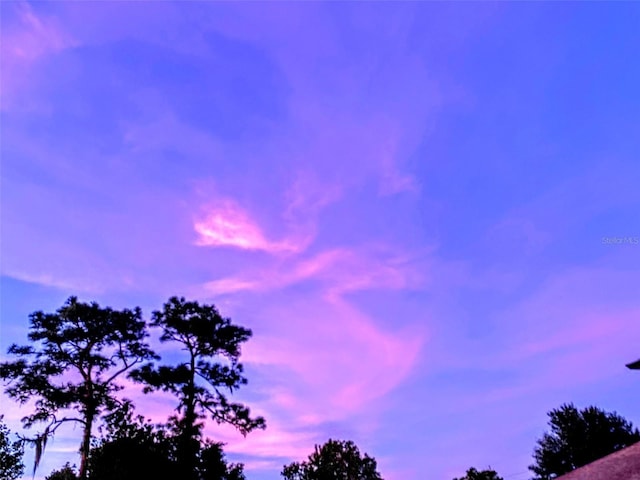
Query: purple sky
x,y
411,204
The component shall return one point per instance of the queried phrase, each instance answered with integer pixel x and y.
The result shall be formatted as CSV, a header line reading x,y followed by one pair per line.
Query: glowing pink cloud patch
x,y
228,225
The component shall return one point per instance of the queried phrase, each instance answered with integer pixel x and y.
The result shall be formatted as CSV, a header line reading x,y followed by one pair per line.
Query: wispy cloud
x,y
337,272
26,38
33,36
343,358
227,225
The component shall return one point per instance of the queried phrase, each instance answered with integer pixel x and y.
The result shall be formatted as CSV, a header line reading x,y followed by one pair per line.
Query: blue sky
x,y
428,213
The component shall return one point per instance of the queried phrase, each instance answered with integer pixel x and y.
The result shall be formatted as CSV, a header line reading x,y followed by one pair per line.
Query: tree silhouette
x,y
334,460
74,359
579,437
212,464
634,365
133,448
209,369
473,474
11,466
67,472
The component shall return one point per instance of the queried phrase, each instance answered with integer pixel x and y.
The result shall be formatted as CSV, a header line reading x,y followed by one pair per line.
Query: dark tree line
x,y
132,448
77,355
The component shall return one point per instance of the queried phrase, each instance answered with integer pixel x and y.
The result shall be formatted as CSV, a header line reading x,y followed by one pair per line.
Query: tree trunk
x,y
85,447
89,415
189,441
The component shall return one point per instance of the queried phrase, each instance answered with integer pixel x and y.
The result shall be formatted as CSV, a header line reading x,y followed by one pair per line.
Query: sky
x,y
427,213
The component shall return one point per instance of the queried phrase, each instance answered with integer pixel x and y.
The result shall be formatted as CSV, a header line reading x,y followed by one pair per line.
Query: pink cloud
x,y
575,307
322,358
342,137
339,270
336,366
307,195
276,441
24,42
558,368
579,327
35,36
277,277
340,359
227,225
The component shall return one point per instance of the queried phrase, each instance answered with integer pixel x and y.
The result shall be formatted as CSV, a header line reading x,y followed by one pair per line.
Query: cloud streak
x,y
26,40
227,225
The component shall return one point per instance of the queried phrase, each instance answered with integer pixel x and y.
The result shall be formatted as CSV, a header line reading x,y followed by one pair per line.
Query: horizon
x,y
427,213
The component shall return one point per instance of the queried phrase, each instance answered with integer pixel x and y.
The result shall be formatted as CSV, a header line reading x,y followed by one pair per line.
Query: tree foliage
x,y
67,472
208,370
133,449
74,359
473,474
212,464
11,466
335,460
579,437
